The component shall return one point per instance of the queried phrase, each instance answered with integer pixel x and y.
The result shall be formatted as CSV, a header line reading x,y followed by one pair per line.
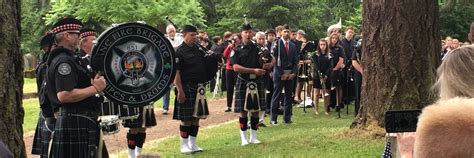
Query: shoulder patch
x,y
64,69
232,53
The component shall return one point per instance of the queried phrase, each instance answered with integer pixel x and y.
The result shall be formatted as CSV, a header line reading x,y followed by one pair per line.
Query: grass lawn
x,y
32,109
308,136
29,85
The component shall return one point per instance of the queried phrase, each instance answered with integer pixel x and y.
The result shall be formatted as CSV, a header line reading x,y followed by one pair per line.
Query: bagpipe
x,y
213,60
263,54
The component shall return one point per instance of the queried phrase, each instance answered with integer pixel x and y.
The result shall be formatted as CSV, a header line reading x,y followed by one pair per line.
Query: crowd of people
x,y
449,44
265,73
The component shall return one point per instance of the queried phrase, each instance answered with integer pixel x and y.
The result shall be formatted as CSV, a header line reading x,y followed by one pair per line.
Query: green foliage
x,y
100,14
38,18
314,17
32,26
455,22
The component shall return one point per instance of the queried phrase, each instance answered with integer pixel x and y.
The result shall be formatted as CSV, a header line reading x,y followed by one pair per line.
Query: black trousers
x,y
357,90
280,85
268,82
230,83
347,86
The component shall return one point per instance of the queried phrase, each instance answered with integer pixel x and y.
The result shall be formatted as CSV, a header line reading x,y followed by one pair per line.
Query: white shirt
x,y
176,41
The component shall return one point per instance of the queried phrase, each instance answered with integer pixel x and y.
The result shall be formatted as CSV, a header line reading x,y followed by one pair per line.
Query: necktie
x,y
287,47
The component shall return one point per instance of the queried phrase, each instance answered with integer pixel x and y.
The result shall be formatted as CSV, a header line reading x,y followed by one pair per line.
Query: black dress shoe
x,y
288,122
228,110
261,124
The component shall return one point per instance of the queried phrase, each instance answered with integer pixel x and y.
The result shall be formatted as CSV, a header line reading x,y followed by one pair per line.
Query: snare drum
x,y
109,108
109,124
127,113
138,117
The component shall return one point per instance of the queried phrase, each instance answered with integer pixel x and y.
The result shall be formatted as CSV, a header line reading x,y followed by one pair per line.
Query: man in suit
x,y
284,73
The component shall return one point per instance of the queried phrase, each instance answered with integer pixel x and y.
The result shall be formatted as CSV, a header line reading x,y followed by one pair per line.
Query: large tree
x,y
11,82
401,48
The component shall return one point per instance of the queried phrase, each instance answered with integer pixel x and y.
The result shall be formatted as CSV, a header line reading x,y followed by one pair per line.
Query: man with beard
x,y
70,90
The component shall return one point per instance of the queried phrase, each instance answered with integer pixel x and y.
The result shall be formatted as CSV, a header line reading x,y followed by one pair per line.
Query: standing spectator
x,y
321,66
218,47
300,81
447,46
444,129
204,37
348,44
230,74
358,72
270,40
455,43
284,73
337,64
175,40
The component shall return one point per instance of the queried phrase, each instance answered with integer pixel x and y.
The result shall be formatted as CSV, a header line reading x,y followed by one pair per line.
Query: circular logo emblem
x,y
137,62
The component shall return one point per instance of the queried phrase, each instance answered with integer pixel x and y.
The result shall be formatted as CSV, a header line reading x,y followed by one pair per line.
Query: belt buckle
x,y
252,76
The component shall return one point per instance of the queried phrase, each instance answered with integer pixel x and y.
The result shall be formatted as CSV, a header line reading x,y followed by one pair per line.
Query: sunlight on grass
x,y
29,85
309,136
32,109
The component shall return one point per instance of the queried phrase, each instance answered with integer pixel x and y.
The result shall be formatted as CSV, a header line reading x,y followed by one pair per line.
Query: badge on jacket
x,y
64,69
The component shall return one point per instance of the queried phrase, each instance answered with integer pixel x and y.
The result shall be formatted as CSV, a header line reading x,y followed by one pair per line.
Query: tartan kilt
x,y
184,112
42,137
36,146
241,89
76,136
146,117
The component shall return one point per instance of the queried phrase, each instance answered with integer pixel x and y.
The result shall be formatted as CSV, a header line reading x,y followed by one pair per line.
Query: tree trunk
x,y
401,48
11,80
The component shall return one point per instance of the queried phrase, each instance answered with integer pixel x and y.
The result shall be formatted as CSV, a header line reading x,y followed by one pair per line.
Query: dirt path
x,y
166,127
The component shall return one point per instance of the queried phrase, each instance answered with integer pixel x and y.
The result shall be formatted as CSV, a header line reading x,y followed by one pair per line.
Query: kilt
x,y
42,136
76,136
241,89
184,111
146,117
